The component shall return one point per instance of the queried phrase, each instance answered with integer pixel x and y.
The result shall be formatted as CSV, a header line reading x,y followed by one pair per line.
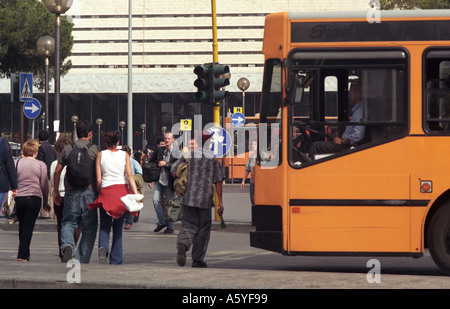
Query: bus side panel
x,y
358,227
359,202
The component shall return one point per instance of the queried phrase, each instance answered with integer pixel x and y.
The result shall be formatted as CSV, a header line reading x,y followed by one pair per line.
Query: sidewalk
x,y
45,270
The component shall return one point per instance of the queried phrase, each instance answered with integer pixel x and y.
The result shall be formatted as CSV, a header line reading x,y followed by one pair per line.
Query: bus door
x,y
348,190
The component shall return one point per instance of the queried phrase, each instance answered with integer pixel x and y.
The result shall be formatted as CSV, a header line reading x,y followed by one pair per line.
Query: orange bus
x,y
356,114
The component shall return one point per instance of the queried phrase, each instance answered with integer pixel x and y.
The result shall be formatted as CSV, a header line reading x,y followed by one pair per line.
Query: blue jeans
x,y
76,212
158,190
106,222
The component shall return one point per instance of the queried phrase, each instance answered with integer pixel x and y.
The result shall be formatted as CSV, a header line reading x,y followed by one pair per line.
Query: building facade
x,y
169,38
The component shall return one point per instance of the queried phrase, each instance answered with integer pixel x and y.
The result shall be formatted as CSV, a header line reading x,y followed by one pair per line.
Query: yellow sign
x,y
185,125
237,110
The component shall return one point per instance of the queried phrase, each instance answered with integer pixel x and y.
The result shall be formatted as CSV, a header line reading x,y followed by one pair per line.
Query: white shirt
x,y
113,168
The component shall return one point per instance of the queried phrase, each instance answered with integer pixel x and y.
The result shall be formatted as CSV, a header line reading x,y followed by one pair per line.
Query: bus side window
x,y
437,91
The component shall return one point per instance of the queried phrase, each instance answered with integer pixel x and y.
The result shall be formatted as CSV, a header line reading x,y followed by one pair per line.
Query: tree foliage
x,y
414,4
22,23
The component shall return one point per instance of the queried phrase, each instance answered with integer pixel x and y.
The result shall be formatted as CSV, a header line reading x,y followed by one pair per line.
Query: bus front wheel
x,y
439,238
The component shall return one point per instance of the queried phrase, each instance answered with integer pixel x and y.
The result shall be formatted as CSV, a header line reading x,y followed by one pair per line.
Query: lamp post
x,y
99,122
243,84
46,47
74,120
143,127
122,125
57,7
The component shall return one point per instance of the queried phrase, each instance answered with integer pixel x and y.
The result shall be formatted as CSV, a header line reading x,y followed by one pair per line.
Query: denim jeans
x,y
106,222
76,212
158,190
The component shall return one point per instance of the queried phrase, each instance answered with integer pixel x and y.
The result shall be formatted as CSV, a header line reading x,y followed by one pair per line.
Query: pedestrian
x,y
78,195
8,174
249,167
204,175
165,158
47,155
32,180
114,180
60,144
136,170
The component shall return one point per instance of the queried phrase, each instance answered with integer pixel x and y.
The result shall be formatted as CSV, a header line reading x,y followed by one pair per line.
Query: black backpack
x,y
80,166
150,171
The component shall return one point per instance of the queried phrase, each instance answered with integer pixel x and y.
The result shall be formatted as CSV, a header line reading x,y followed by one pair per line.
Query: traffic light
x,y
218,82
203,83
209,83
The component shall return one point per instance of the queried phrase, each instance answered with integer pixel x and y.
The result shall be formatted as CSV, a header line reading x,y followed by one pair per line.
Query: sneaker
x,y
159,227
199,264
102,256
127,226
181,255
67,254
168,231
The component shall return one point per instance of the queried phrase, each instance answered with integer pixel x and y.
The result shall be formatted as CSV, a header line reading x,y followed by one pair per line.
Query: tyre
x,y
438,238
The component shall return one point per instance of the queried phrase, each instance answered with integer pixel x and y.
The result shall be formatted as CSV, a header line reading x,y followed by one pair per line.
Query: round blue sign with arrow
x,y
238,119
220,141
32,108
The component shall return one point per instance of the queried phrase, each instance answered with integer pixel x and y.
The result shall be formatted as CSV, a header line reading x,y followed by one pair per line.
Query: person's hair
x,y
61,143
30,147
159,139
111,138
127,149
43,135
83,128
356,85
137,156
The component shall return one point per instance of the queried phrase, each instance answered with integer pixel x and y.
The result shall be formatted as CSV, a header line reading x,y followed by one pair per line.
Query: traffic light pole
x,y
216,108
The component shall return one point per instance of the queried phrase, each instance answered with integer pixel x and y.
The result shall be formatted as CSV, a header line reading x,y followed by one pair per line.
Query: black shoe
x,y
67,254
181,255
102,256
168,231
159,227
199,264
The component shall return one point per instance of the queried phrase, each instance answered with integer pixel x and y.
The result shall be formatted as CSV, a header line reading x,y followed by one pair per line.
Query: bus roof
x,y
363,14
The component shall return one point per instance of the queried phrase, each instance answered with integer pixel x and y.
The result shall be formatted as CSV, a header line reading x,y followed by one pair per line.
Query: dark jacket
x,y
47,154
8,174
158,156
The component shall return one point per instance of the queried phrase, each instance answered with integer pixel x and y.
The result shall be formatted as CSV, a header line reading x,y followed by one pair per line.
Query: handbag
x,y
9,208
172,211
131,202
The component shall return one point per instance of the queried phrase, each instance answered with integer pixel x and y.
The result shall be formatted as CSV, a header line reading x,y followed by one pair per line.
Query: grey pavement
x,y
46,271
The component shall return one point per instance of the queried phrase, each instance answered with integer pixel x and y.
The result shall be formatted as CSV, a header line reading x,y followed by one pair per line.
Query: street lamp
x,y
74,120
57,7
143,126
243,84
122,125
99,122
46,47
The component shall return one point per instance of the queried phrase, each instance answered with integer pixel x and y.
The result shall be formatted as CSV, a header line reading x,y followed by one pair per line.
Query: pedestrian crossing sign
x,y
25,87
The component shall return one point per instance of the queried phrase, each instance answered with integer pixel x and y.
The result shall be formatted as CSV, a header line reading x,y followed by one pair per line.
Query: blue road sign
x,y
220,141
32,108
25,87
238,119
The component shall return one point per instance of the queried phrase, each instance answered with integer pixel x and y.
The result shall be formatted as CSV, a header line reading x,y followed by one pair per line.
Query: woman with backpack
x,y
114,180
